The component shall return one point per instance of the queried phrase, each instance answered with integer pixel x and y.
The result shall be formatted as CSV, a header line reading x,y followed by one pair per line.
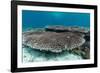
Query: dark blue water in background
x,y
39,19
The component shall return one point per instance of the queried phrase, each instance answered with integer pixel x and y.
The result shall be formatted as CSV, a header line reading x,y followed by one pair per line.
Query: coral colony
x,y
56,43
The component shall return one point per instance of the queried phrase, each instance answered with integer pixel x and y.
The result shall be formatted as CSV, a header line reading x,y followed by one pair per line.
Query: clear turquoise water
x,y
40,19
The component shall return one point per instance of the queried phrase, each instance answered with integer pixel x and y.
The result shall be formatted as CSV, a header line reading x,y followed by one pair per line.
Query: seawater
x,y
39,19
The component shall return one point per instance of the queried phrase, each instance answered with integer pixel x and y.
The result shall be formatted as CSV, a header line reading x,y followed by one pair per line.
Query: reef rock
x,y
59,28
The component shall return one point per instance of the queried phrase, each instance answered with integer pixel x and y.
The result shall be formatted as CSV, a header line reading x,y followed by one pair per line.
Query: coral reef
x,y
66,29
56,41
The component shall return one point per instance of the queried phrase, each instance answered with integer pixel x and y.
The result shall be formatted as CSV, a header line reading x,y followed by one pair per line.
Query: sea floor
x,y
33,55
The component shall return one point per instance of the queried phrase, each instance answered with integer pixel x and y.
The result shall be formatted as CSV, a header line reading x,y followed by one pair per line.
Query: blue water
x,y
39,19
